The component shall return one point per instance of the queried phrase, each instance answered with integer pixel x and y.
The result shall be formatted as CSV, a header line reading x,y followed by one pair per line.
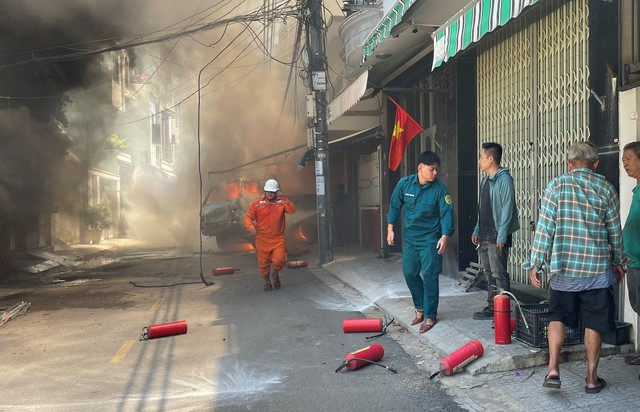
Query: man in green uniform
x,y
427,226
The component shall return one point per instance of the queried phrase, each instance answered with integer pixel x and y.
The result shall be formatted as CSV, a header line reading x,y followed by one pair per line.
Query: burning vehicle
x,y
223,210
224,207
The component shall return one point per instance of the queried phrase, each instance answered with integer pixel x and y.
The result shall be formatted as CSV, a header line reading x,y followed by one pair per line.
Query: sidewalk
x,y
506,377
381,282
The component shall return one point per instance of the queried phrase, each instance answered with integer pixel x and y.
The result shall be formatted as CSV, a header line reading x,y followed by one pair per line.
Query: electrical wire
x,y
197,91
199,145
282,12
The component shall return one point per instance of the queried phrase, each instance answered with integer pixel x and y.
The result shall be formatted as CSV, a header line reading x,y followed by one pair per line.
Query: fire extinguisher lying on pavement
x,y
460,358
357,325
363,357
164,329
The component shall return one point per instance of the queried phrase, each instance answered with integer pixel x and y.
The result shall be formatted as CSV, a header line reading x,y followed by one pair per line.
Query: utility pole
x,y
318,132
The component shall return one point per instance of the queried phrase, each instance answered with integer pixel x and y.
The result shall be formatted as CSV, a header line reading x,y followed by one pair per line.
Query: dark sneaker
x,y
484,314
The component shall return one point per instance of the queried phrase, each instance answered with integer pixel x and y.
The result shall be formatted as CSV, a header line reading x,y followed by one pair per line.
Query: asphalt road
x,y
78,347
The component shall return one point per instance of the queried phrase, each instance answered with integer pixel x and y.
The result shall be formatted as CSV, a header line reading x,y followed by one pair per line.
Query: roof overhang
x,y
351,139
348,97
388,22
470,24
403,33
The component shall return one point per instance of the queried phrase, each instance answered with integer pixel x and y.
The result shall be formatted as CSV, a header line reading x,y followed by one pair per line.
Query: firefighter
x,y
265,219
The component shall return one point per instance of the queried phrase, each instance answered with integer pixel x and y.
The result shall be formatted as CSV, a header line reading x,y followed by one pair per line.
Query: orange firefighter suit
x,y
267,218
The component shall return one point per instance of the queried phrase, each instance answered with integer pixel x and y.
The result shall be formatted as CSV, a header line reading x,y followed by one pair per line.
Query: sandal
x,y
267,287
632,359
276,282
426,327
419,317
597,389
552,382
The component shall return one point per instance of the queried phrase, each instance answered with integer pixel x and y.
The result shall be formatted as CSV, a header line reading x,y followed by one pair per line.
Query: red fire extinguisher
x,y
363,357
228,270
292,264
164,329
362,325
502,319
460,358
299,252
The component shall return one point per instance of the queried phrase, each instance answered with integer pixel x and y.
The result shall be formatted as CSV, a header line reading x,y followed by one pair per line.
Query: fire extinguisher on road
x,y
228,270
294,264
355,325
162,330
363,357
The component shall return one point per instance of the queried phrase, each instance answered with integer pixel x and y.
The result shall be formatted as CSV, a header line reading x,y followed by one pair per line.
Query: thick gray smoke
x,y
243,112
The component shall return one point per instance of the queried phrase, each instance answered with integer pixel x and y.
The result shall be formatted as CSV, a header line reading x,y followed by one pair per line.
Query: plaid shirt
x,y
578,232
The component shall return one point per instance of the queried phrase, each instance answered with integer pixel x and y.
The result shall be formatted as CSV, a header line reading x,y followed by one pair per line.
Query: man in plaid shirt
x,y
578,240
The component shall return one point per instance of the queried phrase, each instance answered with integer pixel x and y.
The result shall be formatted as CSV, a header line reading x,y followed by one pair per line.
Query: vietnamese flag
x,y
404,130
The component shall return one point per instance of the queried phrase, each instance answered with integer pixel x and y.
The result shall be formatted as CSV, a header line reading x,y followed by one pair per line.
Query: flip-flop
x,y
425,327
597,389
552,382
632,359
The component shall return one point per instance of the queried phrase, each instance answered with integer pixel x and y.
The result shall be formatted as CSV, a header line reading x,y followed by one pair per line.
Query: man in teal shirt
x,y
631,232
497,221
427,225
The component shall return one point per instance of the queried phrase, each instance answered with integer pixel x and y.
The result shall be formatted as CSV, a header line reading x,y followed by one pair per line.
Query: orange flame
x,y
299,232
251,188
233,190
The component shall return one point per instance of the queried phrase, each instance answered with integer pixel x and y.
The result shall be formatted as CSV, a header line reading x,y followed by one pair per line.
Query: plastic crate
x,y
618,337
537,316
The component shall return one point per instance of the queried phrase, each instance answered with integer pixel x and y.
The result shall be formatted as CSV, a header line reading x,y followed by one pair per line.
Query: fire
x,y
246,247
233,190
239,246
249,188
299,233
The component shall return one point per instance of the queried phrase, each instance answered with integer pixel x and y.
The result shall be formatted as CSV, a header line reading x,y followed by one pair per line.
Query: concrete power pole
x,y
319,137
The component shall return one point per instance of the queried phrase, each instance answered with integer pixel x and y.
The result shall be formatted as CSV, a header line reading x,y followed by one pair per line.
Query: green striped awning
x,y
471,23
383,28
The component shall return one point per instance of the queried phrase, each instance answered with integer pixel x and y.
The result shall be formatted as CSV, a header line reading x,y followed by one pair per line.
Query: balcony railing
x,y
354,6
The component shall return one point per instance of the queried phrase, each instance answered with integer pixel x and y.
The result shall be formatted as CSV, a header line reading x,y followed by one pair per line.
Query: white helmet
x,y
271,186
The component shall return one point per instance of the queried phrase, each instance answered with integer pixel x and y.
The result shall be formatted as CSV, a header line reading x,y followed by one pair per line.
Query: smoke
x,y
243,116
244,113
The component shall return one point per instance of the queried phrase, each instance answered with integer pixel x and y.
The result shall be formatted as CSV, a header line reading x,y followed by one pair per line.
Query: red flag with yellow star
x,y
404,130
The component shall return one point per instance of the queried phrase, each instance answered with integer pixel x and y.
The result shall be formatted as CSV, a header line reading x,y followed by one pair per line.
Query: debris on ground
x,y
13,312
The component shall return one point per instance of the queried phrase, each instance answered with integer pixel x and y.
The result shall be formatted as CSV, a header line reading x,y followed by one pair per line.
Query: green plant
x,y
97,216
117,142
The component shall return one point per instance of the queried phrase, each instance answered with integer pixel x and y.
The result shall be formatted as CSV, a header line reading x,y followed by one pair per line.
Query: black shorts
x,y
596,307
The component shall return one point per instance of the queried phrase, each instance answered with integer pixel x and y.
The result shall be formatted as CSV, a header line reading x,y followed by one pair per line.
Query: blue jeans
x,y
494,265
425,289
